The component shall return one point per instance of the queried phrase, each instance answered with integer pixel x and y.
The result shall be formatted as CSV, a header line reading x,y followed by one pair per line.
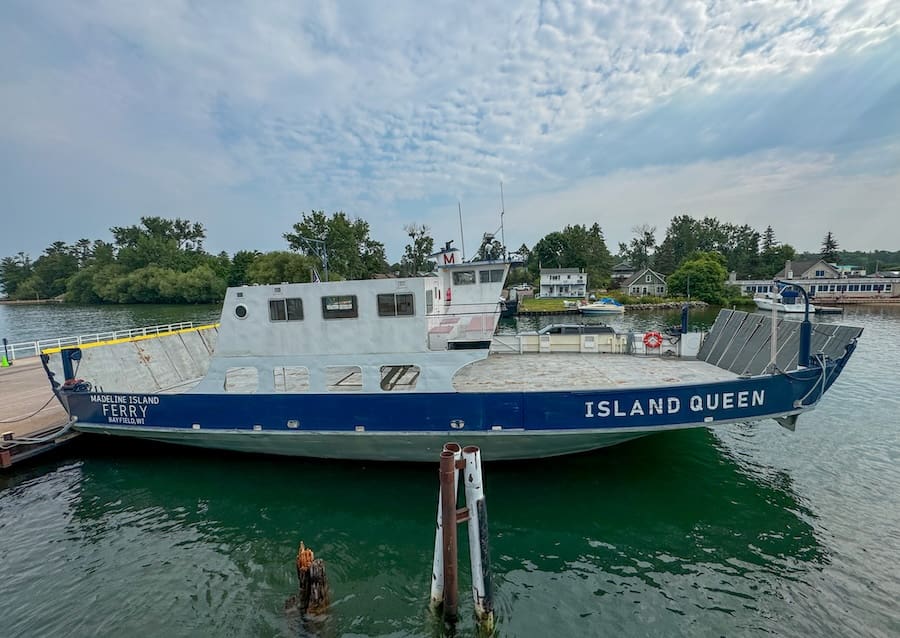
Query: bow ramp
x,y
742,342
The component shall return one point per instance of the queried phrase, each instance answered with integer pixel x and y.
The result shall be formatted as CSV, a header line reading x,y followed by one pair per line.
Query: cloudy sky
x,y
243,115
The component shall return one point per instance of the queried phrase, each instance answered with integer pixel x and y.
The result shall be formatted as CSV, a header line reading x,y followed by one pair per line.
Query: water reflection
x,y
669,528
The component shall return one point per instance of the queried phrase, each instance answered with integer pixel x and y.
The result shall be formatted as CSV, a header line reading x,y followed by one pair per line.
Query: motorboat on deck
x,y
782,302
604,306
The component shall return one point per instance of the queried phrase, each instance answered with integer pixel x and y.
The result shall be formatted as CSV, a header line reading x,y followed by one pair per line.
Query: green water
x,y
27,322
747,530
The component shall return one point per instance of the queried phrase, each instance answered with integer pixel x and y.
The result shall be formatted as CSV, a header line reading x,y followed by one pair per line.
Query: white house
x,y
563,282
646,282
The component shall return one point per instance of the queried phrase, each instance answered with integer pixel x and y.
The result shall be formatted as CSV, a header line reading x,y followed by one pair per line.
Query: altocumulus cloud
x,y
242,115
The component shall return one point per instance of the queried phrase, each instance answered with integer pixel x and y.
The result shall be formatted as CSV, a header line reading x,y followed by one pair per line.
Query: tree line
x,y
163,260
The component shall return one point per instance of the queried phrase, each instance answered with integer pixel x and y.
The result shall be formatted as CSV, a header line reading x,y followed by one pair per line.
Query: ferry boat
x,y
390,369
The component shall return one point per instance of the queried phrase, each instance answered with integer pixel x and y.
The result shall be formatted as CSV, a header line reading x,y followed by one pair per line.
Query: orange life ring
x,y
653,339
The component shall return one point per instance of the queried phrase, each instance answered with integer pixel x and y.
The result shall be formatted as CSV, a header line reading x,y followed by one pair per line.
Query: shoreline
x,y
32,302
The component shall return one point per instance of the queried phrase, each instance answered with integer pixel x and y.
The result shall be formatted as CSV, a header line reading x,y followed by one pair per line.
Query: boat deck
x,y
577,371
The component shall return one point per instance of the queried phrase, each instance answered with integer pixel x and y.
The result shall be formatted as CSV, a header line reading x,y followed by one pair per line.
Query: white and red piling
x,y
444,568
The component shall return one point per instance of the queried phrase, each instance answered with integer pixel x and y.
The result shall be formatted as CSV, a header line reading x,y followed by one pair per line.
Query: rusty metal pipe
x,y
437,567
448,474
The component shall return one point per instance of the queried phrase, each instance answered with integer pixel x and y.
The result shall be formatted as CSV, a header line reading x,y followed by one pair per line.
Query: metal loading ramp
x,y
740,342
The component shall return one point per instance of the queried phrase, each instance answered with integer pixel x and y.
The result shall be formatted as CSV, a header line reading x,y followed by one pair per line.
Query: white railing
x,y
34,348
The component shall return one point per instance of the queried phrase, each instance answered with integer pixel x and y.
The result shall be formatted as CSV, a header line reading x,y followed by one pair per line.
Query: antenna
x,y
462,238
502,211
318,248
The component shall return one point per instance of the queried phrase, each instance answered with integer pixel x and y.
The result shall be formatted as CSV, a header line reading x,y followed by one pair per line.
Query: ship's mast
x,y
502,212
462,238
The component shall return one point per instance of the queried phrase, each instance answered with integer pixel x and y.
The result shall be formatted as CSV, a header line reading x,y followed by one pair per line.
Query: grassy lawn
x,y
531,304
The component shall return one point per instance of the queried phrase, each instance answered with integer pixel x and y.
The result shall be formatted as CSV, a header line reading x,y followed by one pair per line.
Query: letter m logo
x,y
449,258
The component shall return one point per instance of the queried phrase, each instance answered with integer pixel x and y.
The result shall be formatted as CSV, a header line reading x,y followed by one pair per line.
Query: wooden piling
x,y
312,597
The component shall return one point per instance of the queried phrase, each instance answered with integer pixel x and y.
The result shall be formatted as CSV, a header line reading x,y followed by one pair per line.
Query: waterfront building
x,y
646,282
563,282
827,282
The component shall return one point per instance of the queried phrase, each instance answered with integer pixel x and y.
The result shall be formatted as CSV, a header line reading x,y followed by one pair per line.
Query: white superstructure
x,y
408,334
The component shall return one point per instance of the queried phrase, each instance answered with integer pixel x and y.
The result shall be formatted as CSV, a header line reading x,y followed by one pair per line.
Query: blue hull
x,y
411,426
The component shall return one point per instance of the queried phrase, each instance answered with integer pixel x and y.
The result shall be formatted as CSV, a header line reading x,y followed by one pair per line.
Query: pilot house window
x,y
396,305
286,309
339,307
490,276
463,277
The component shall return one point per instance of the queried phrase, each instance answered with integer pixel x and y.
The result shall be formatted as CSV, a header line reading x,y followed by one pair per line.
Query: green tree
x,y
573,247
13,271
829,248
240,263
772,255
741,250
639,252
281,266
199,285
680,241
83,251
102,253
52,270
705,273
81,288
415,254
169,243
768,240
221,265
352,253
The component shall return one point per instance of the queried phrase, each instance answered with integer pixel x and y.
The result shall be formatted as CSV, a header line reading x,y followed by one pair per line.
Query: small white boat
x,y
781,303
605,306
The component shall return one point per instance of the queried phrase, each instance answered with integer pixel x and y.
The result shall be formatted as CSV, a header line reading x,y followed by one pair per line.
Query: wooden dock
x,y
28,409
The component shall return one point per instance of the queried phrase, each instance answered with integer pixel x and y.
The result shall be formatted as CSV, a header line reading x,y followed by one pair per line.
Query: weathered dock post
x,y
479,553
437,568
444,576
312,597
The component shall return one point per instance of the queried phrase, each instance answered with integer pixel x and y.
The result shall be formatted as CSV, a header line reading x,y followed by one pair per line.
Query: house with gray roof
x,y
646,282
809,269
